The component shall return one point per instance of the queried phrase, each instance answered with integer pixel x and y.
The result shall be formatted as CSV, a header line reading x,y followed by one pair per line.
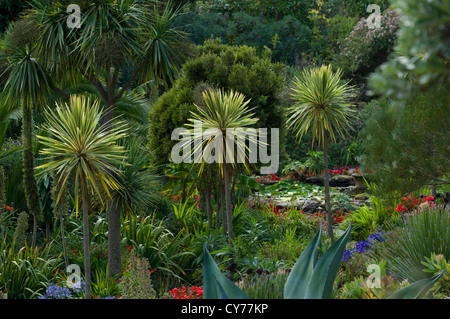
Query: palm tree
x,y
27,85
120,43
138,191
116,37
78,148
323,107
8,112
222,111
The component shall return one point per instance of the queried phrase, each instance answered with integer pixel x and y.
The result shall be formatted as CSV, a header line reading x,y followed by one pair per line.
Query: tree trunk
x,y
208,199
63,239
2,190
114,241
218,204
327,191
229,212
47,231
87,259
219,199
433,190
29,179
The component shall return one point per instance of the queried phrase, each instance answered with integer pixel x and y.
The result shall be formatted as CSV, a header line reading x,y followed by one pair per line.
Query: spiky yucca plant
x,y
322,106
77,147
222,111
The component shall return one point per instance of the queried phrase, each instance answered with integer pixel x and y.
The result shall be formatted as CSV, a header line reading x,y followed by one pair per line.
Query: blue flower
x,y
78,287
347,255
56,292
377,237
364,245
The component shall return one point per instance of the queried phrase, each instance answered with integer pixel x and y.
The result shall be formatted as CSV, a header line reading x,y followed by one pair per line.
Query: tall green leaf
x,y
297,282
417,289
215,284
321,283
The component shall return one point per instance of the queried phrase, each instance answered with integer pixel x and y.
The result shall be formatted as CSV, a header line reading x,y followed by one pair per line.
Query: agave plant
x,y
310,278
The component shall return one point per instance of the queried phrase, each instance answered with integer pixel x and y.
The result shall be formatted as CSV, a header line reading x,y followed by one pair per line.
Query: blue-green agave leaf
x,y
215,284
417,289
297,282
324,273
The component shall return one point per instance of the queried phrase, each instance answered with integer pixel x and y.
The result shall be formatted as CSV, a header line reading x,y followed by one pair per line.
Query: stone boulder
x,y
342,181
310,205
335,181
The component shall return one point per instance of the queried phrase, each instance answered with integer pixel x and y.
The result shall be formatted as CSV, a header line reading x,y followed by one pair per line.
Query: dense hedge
x,y
287,37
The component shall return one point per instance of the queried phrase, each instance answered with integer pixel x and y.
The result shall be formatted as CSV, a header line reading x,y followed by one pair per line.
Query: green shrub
x,y
422,234
264,286
288,37
102,286
26,274
136,282
366,48
152,240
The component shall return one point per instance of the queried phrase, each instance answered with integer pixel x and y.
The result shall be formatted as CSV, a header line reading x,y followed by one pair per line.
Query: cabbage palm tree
x,y
138,191
120,43
221,111
27,85
77,147
322,107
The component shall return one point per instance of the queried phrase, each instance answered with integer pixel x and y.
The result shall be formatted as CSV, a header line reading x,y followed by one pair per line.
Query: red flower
x,y
187,293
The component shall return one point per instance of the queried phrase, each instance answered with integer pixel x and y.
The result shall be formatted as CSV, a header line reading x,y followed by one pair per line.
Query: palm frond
x,y
77,146
222,112
322,104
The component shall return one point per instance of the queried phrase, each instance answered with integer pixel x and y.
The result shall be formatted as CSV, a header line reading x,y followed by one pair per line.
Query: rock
x,y
360,183
335,181
361,197
310,205
342,181
317,180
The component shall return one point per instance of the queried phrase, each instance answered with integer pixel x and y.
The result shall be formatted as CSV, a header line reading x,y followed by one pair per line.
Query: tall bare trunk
x,y
29,178
2,189
208,198
327,191
229,212
87,259
63,239
114,251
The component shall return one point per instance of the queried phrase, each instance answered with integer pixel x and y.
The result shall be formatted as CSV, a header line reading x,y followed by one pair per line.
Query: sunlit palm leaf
x,y
322,104
76,146
222,111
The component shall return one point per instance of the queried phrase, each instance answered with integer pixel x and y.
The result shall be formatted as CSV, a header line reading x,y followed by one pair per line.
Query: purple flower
x,y
56,292
364,245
